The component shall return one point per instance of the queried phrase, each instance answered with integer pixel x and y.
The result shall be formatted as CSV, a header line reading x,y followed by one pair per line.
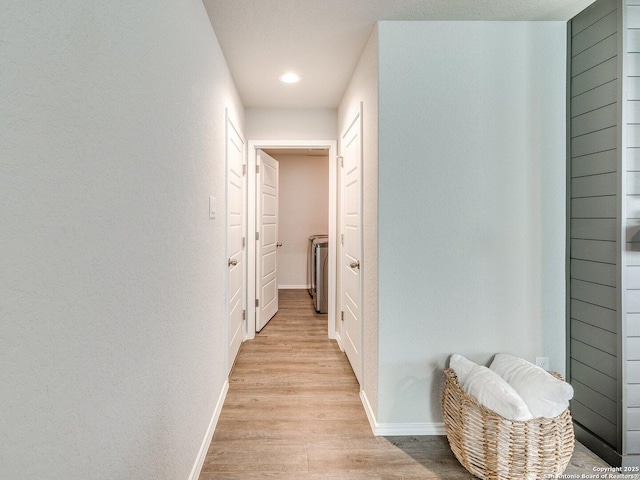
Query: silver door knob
x,y
355,264
233,262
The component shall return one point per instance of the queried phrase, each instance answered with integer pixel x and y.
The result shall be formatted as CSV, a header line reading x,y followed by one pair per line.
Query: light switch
x,y
212,207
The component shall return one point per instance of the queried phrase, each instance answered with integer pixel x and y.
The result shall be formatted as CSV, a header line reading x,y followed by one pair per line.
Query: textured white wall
x,y
112,276
291,124
363,87
471,169
303,211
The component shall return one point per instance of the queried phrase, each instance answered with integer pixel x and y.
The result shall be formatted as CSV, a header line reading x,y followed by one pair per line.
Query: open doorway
x,y
298,161
303,213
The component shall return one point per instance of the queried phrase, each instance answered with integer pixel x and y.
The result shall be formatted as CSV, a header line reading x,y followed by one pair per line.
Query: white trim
x,y
409,429
253,146
204,447
369,411
399,429
293,287
339,340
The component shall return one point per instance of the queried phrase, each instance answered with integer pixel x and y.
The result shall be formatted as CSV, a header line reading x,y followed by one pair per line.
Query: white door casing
x,y
351,251
252,293
235,148
267,241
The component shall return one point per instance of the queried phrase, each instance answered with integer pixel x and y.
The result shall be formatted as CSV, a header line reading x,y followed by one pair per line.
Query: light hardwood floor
x,y
293,412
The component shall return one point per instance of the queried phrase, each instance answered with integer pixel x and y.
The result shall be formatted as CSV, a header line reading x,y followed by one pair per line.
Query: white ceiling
x,y
322,39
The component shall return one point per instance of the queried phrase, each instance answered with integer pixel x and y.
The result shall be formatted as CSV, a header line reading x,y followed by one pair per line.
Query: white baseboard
x,y
399,429
338,339
293,287
409,429
369,411
197,467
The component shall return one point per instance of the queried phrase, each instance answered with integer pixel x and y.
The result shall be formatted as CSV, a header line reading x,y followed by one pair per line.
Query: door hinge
x,y
244,169
244,314
257,302
342,316
257,235
244,242
342,238
257,168
341,158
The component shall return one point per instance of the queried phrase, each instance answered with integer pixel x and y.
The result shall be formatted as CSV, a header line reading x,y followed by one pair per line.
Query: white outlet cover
x,y
543,362
212,207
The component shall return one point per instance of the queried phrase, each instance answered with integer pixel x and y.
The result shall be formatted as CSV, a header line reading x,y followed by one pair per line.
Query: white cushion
x,y
462,366
489,389
545,395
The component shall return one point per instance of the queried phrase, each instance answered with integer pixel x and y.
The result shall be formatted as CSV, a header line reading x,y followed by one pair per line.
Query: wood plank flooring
x,y
293,412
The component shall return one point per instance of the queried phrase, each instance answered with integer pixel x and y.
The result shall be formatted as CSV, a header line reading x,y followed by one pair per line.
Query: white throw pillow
x,y
489,389
545,395
462,366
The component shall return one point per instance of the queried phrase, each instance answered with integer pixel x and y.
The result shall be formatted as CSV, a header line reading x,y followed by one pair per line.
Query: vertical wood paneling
x,y
593,293
633,442
594,185
633,41
594,272
601,383
633,113
591,15
594,207
594,219
595,55
594,77
633,371
631,315
595,401
633,206
594,422
595,315
633,324
597,98
632,301
632,395
601,162
633,348
604,362
594,120
594,229
594,250
595,337
594,33
598,141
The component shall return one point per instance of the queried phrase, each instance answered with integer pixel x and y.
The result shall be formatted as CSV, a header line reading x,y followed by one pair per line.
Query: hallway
x,y
293,412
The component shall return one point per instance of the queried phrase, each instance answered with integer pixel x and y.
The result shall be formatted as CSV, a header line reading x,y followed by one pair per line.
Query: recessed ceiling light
x,y
290,77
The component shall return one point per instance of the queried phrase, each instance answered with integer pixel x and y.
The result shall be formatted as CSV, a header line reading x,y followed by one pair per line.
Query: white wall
x,y
303,211
111,139
290,124
471,202
363,87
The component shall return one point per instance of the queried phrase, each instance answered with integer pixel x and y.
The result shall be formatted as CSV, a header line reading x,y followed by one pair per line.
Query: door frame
x,y
231,124
253,146
355,116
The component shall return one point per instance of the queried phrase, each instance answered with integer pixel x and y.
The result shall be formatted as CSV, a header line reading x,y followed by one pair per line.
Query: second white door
x,y
350,258
267,239
235,241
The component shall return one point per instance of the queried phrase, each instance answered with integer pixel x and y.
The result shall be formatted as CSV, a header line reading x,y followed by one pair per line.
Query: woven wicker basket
x,y
492,447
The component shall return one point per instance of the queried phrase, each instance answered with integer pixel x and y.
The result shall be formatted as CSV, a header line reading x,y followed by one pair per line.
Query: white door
x,y
235,242
351,251
267,241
